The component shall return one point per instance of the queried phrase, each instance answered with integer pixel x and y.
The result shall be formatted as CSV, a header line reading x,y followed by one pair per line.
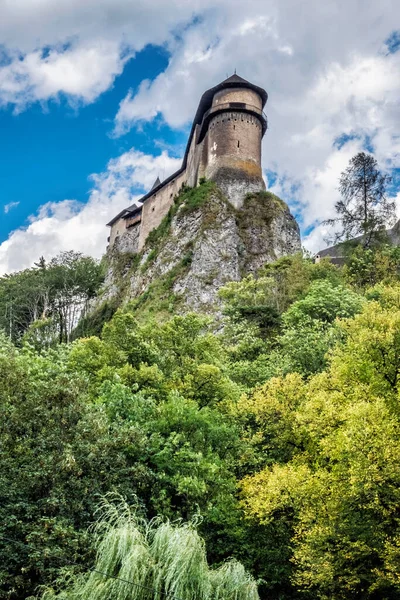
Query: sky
x,y
97,99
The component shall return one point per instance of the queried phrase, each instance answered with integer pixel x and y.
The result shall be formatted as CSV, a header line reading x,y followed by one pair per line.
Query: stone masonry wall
x,y
237,95
156,207
234,154
118,229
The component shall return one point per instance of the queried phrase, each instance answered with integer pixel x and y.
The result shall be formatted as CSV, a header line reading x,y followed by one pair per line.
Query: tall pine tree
x,y
364,210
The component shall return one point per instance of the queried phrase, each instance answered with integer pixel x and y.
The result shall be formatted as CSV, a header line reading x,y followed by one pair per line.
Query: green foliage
x,y
161,558
159,299
340,478
92,323
306,330
368,266
323,302
59,290
364,210
188,200
42,333
280,429
122,262
57,454
271,201
252,299
261,300
194,198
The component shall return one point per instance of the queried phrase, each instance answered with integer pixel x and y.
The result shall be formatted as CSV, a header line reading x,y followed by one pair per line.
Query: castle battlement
x,y
224,145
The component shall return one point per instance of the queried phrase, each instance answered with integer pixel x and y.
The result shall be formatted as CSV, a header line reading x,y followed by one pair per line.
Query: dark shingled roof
x,y
331,251
339,251
205,103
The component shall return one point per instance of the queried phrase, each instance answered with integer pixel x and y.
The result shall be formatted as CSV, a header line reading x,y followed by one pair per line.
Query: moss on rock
x,y
202,243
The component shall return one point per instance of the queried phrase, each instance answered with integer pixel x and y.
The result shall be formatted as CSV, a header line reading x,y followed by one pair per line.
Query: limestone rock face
x,y
129,242
237,184
204,246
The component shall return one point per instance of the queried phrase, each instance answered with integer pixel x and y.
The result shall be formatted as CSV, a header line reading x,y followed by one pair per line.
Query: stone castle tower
x,y
224,145
233,129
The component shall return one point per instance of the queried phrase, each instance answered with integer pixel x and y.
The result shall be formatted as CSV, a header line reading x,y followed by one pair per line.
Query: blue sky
x,y
96,100
47,153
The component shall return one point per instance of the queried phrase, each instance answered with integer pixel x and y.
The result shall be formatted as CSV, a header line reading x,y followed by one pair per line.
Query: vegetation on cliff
x,y
202,242
278,435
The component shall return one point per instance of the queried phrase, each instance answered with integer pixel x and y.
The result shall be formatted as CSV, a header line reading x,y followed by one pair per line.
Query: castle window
x,y
152,210
238,143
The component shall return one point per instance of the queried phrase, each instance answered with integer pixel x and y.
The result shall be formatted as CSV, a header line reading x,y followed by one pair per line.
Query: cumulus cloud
x,y
81,72
331,70
74,225
328,72
77,48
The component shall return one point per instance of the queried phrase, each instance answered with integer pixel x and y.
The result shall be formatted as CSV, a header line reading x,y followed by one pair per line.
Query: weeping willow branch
x,y
156,560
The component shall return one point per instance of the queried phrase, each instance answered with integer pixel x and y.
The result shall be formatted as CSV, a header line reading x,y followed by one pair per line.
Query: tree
x,y
307,332
138,560
57,454
60,290
341,483
73,280
364,210
368,266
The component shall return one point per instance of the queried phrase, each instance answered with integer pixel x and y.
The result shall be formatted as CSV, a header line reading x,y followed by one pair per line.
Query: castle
x,y
224,145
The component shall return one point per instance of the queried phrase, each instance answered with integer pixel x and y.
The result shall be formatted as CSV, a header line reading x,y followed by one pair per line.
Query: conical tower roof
x,y
235,79
156,183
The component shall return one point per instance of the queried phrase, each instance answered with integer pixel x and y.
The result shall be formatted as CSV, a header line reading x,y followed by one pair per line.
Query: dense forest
x,y
255,453
275,438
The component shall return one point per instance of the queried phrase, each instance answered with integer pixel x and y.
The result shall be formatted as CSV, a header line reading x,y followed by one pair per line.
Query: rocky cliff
x,y
201,244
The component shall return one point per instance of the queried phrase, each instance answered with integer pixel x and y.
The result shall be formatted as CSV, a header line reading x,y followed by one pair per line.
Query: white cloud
x,y
80,72
70,224
324,65
77,47
10,206
326,72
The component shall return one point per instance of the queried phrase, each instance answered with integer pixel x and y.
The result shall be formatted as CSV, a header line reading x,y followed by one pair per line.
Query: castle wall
x,y
238,95
197,160
229,153
234,154
156,207
117,229
192,164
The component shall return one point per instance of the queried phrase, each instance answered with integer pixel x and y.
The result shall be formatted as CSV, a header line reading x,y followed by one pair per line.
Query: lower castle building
x,y
224,145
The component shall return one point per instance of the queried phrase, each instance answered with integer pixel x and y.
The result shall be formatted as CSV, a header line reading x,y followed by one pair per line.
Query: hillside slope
x,y
201,244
